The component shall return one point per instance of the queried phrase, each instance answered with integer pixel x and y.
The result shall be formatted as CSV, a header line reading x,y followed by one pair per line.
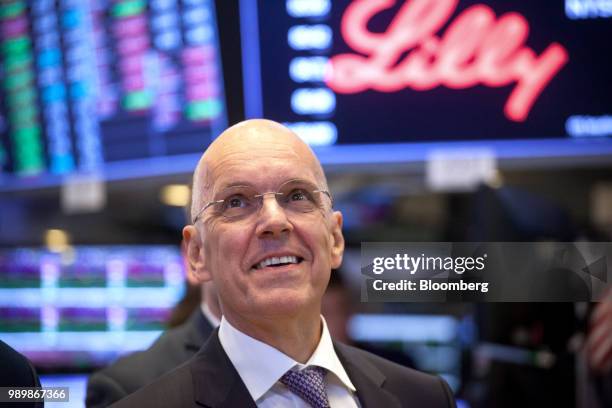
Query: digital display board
x,y
90,84
87,305
525,75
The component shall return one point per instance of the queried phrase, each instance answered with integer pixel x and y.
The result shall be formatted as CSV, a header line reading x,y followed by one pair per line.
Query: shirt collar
x,y
260,366
325,356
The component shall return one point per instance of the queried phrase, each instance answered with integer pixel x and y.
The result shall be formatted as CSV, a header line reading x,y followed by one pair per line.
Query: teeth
x,y
276,260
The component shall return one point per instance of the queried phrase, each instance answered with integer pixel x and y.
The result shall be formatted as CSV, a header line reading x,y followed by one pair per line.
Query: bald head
x,y
243,143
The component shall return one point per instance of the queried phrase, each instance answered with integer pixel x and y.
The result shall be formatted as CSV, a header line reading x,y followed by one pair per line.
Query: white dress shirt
x,y
261,366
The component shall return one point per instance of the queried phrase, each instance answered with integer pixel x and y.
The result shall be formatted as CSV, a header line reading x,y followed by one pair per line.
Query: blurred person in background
x,y
191,323
565,331
598,350
338,308
17,371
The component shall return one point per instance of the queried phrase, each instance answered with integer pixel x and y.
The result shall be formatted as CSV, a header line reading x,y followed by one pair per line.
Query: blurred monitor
x,y
85,306
392,81
433,342
119,89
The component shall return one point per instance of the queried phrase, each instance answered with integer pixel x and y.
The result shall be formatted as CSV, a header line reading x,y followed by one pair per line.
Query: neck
x,y
296,337
213,306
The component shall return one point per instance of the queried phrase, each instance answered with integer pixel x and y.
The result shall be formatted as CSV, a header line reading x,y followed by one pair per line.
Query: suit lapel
x,y
215,380
366,378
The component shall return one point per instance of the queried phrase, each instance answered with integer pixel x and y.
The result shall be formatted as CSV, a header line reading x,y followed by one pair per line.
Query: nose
x,y
272,219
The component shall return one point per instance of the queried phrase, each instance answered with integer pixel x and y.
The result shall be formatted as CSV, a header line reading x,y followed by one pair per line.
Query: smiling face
x,y
275,262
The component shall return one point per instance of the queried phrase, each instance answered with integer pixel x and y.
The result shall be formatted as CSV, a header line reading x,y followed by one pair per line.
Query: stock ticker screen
x,y
91,83
357,72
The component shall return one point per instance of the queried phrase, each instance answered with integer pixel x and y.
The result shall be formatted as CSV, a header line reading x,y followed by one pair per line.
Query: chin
x,y
283,303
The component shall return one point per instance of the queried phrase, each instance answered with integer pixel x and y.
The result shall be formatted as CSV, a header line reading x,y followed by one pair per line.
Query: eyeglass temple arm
x,y
208,204
327,193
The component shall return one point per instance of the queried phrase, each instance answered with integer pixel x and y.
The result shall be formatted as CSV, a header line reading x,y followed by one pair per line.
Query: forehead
x,y
262,160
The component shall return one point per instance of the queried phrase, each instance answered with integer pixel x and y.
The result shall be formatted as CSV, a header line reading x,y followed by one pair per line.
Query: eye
x,y
236,201
299,195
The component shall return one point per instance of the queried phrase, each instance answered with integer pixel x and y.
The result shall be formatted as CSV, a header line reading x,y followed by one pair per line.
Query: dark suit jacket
x,y
133,372
16,371
210,380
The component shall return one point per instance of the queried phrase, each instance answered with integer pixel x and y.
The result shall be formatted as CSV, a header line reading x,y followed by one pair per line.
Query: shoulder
x,y
173,389
208,379
136,370
410,386
164,354
388,368
15,369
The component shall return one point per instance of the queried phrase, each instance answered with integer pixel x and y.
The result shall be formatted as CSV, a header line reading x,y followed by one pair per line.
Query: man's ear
x,y
195,254
189,272
337,250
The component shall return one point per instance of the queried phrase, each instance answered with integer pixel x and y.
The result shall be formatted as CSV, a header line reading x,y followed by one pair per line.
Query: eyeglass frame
x,y
260,195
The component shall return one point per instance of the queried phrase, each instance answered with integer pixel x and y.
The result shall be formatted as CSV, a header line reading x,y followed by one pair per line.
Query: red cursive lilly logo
x,y
476,48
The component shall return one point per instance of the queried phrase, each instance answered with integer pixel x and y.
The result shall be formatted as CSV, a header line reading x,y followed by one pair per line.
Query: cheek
x,y
232,247
225,248
318,238
225,252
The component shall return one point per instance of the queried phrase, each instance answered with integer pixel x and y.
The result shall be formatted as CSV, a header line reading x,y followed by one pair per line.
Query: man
x,y
265,233
174,347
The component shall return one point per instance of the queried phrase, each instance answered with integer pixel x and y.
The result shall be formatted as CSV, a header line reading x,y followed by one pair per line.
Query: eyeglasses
x,y
294,196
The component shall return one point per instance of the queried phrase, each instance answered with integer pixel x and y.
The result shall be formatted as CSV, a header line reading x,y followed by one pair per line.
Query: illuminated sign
x,y
477,48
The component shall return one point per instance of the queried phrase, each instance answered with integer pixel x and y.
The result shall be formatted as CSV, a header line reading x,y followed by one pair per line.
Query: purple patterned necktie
x,y
308,384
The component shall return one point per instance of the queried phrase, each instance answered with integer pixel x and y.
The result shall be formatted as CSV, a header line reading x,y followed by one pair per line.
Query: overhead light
x,y
176,195
57,240
496,181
